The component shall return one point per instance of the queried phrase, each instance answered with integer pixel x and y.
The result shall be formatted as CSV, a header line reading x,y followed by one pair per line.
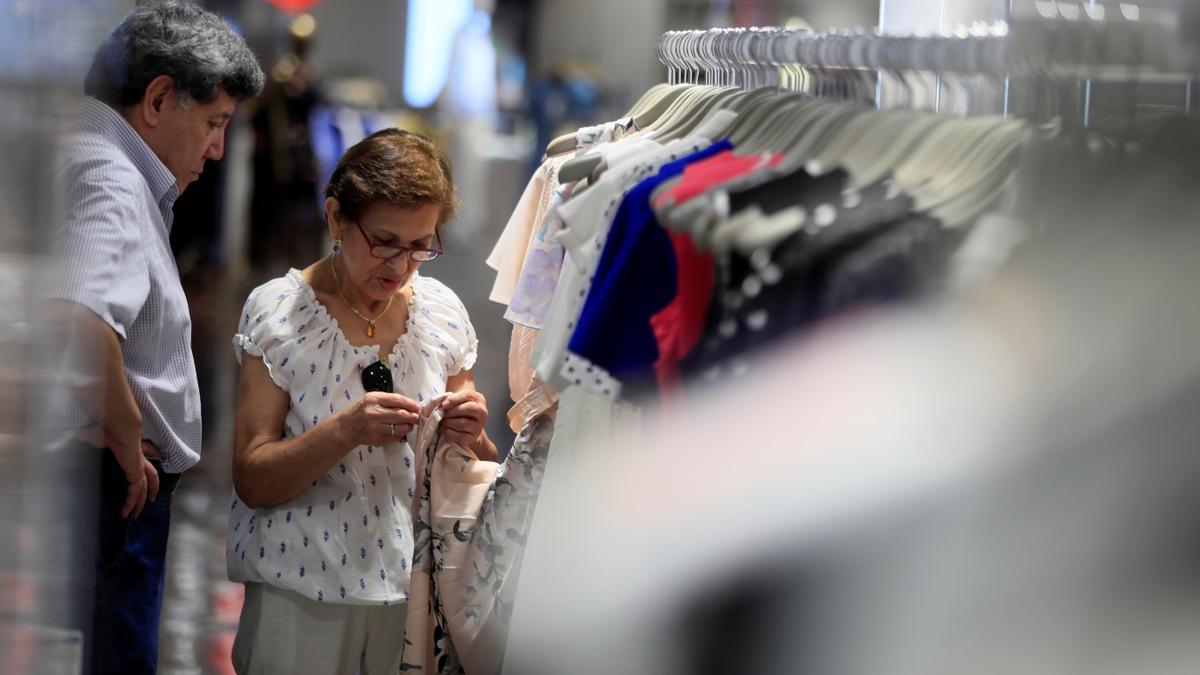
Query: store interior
x,y
968,446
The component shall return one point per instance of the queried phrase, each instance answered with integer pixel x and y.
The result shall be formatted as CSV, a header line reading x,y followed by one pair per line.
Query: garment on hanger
x,y
619,307
634,279
528,258
706,174
680,258
542,263
587,217
867,250
508,254
679,326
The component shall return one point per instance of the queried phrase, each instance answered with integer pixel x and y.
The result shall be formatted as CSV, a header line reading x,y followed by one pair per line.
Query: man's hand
x,y
139,472
132,461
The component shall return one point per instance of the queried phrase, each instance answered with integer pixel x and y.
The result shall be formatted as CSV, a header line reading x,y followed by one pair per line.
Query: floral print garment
x,y
470,521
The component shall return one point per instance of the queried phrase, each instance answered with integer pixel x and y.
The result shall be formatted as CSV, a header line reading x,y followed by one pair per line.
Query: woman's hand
x,y
378,418
464,414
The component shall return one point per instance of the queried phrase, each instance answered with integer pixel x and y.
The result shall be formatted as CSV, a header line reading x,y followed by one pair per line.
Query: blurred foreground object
x,y
1004,482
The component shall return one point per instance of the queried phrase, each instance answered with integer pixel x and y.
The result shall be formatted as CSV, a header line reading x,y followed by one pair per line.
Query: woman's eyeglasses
x,y
417,254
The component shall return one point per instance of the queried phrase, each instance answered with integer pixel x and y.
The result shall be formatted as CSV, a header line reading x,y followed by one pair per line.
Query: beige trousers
x,y
283,633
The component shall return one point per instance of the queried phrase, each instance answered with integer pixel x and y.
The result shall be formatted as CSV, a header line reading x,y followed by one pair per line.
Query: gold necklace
x,y
370,322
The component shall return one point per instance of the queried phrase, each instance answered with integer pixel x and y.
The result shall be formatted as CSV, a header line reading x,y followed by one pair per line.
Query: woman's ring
x,y
393,429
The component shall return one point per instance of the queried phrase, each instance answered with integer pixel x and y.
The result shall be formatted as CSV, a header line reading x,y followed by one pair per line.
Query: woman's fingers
x,y
393,401
393,416
458,398
379,432
463,424
467,411
385,418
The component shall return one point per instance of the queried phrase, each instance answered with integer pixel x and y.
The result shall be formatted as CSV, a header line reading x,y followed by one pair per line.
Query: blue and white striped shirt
x,y
115,254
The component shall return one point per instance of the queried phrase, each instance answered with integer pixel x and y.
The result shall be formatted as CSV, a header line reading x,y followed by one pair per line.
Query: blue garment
x,y
635,279
130,566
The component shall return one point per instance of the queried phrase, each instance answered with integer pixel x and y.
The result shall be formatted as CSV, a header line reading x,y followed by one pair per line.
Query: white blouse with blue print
x,y
348,538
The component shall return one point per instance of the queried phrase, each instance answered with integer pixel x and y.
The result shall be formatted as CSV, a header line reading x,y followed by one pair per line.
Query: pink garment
x,y
679,326
707,173
470,520
531,396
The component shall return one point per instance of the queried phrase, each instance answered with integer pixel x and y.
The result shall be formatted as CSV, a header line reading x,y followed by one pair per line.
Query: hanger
x,y
645,110
782,120
835,135
649,106
967,201
591,164
807,134
657,106
821,130
561,144
755,110
710,103
914,142
696,104
681,103
869,136
647,98
970,177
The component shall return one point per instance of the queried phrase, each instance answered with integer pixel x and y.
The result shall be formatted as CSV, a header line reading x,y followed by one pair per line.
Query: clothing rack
x,y
1093,43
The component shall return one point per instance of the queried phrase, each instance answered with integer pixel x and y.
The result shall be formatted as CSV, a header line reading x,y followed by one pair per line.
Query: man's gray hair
x,y
194,46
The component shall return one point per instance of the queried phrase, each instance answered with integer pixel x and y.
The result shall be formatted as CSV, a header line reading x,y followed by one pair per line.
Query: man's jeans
x,y
130,564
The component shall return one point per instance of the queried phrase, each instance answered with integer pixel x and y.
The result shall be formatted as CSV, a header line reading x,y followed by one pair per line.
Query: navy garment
x,y
634,280
130,568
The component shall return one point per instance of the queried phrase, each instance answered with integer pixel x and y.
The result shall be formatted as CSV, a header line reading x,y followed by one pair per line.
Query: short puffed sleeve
x,y
271,327
443,323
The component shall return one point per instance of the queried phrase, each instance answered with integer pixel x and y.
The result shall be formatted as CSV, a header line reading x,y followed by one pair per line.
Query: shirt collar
x,y
99,116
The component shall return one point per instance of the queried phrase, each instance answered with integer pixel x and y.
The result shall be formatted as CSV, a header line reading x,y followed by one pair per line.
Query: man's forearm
x,y
101,387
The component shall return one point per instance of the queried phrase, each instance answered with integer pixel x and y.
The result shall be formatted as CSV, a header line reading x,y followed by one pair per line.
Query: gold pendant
x,y
370,329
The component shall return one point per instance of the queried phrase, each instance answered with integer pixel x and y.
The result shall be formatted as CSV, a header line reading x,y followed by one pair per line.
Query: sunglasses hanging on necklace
x,y
377,377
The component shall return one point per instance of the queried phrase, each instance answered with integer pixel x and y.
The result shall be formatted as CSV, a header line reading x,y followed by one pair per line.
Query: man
x,y
162,88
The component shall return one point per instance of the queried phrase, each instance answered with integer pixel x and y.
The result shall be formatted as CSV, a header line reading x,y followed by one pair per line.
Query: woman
x,y
320,528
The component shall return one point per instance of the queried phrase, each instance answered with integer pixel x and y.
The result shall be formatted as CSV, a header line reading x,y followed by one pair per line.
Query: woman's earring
x,y
337,245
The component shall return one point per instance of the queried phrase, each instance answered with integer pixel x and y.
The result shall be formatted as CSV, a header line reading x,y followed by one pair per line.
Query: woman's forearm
x,y
275,471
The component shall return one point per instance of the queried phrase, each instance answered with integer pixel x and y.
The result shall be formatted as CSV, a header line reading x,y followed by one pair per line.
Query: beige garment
x,y
509,253
471,520
508,256
284,633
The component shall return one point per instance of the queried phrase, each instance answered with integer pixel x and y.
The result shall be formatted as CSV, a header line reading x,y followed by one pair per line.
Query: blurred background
x,y
495,81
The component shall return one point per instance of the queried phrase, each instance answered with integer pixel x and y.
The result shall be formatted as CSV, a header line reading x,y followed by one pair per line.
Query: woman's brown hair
x,y
393,166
